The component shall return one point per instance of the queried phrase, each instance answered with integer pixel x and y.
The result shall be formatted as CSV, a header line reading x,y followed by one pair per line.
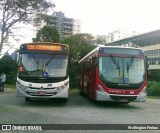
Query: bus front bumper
x,y
104,96
34,93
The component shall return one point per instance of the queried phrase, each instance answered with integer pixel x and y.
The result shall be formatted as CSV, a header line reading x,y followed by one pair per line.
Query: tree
x,y
19,11
47,19
10,70
47,34
101,40
79,46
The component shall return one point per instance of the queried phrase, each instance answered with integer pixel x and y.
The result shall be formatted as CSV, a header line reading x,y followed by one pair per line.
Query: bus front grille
x,y
41,93
40,88
118,98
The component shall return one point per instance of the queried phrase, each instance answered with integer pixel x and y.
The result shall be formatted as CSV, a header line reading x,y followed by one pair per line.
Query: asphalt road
x,y
78,110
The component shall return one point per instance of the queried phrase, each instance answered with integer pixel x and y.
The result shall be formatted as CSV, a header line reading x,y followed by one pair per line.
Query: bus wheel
x,y
27,99
1,88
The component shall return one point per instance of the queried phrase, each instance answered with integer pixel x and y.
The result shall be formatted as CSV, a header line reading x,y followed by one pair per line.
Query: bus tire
x,y
27,99
1,88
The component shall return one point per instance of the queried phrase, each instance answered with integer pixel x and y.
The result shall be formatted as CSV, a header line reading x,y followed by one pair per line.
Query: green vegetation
x,y
153,88
101,40
153,97
73,90
79,46
154,75
8,66
12,86
47,34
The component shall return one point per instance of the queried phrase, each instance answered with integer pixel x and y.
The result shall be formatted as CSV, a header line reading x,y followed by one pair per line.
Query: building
x,y
76,26
65,26
153,55
119,34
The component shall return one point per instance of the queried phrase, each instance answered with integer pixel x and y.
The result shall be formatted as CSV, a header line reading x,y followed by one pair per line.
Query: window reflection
x,y
51,65
121,70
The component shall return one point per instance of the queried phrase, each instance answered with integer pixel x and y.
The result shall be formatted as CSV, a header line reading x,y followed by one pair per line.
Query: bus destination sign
x,y
43,47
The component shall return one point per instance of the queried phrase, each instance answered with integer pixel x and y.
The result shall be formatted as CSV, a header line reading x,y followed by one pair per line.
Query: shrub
x,y
153,88
8,67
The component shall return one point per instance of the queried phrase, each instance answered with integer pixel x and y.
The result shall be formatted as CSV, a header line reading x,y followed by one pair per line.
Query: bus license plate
x,y
123,100
41,93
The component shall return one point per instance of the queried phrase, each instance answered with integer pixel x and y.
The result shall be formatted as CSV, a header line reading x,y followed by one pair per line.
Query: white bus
x,y
43,71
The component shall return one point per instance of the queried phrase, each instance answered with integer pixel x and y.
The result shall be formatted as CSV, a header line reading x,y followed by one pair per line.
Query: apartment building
x,y
65,26
76,26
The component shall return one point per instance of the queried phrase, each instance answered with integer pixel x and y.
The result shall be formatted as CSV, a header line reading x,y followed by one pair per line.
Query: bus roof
x,y
97,48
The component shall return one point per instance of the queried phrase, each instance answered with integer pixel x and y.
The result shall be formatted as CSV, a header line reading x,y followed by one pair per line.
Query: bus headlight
x,y
143,90
66,84
101,88
58,88
62,86
19,85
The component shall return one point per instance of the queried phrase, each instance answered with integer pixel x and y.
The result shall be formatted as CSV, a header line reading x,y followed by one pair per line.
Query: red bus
x,y
113,73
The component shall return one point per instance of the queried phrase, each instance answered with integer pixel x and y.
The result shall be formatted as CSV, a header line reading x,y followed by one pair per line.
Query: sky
x,y
99,17
104,16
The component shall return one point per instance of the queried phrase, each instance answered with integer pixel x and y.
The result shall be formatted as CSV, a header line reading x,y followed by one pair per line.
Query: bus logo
x,y
6,127
131,92
49,85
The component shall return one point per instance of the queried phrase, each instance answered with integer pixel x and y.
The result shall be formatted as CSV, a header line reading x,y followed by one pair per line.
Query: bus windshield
x,y
44,65
122,70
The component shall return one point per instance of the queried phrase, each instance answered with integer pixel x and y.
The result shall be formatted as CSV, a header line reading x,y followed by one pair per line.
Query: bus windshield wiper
x,y
115,63
129,65
34,58
47,63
